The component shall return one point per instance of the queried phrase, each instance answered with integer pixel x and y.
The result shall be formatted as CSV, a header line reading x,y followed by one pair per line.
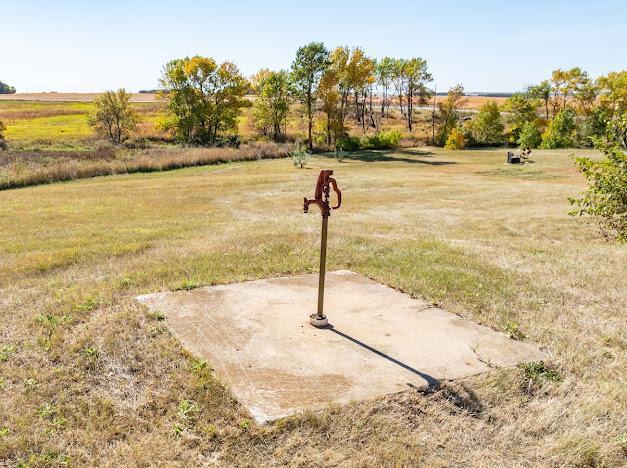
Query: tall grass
x,y
27,171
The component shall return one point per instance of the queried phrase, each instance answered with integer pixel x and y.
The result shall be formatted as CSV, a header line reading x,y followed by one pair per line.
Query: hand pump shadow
x,y
431,381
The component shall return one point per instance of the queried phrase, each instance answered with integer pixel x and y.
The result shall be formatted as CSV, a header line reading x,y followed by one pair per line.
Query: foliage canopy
x,y
114,116
204,99
606,197
271,107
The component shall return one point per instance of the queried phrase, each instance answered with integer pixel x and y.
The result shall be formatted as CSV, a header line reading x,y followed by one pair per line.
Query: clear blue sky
x,y
82,46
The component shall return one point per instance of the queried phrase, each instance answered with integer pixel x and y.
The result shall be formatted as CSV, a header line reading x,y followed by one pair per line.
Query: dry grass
x,y
89,378
35,168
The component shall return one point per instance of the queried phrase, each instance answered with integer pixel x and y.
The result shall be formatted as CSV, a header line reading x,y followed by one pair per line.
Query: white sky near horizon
x,y
83,46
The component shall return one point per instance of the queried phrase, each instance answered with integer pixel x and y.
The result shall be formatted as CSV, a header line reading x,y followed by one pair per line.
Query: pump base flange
x,y
317,321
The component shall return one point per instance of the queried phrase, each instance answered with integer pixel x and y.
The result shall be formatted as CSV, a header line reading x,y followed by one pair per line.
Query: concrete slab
x,y
257,337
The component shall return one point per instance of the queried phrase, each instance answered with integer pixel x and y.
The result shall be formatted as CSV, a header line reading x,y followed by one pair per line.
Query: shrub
x,y
349,143
388,139
537,371
529,136
561,130
606,198
299,158
456,140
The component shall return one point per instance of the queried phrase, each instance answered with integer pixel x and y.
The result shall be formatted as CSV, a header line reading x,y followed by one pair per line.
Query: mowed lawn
x,y
88,377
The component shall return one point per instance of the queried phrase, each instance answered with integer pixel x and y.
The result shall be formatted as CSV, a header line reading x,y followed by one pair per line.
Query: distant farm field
x,y
472,102
69,97
63,120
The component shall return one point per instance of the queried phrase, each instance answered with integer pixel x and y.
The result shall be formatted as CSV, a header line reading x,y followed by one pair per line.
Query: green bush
x,y
388,139
300,158
487,127
349,143
606,198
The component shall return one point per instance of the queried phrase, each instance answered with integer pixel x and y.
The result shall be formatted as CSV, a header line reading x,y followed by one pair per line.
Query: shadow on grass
x,y
380,156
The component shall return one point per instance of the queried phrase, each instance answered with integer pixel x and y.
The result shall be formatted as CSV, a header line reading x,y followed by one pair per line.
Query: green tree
x,y
329,94
114,116
561,130
522,108
542,91
415,76
529,136
204,99
611,112
355,71
310,62
257,78
613,93
448,116
398,79
487,127
384,72
606,197
271,107
569,85
6,89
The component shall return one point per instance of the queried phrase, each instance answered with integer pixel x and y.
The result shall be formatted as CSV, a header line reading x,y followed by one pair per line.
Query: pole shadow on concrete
x,y
431,381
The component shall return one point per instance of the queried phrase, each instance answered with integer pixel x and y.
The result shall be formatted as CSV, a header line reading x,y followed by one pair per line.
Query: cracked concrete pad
x,y
257,337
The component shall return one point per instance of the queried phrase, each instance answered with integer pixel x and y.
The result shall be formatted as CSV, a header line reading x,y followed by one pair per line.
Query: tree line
x,y
567,110
6,89
205,100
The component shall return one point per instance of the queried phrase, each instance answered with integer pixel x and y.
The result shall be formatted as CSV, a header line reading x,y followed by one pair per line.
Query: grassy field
x,y
58,121
88,377
62,123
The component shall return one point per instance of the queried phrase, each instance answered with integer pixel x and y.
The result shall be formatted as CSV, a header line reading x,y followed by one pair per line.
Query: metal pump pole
x,y
321,199
323,268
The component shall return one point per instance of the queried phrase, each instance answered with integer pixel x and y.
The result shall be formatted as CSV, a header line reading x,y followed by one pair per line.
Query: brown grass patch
x,y
27,169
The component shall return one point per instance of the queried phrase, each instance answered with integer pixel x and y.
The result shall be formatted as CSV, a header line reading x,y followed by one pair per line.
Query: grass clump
x,y
539,371
185,285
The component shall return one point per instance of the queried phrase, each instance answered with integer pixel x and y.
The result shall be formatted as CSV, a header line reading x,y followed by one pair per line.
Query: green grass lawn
x,y
88,377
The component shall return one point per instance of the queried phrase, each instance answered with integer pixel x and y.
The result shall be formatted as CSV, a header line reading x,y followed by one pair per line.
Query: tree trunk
x,y
410,106
328,129
310,118
383,99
